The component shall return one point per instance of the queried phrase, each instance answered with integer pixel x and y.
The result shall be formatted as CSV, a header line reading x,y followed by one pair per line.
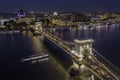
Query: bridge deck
x,y
92,63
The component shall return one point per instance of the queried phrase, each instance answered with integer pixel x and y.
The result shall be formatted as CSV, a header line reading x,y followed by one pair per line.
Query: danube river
x,y
16,46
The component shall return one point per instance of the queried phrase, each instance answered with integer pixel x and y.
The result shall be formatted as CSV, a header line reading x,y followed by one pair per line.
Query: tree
x,y
45,22
5,23
11,24
23,26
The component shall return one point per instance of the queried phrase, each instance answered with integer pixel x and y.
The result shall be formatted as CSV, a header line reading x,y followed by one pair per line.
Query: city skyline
x,y
59,5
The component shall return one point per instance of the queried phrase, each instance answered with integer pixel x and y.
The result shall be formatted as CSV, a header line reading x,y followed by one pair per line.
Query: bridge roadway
x,y
90,61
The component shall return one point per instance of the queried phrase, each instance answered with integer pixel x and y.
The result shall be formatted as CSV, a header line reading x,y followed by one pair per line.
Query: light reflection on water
x,y
14,47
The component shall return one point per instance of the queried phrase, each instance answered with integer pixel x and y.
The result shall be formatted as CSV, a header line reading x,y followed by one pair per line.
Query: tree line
x,y
12,25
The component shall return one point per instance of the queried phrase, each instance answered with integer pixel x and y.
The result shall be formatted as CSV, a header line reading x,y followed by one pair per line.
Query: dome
x,y
55,13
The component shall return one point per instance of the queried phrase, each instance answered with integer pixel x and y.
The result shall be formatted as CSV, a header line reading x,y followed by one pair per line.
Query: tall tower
x,y
21,13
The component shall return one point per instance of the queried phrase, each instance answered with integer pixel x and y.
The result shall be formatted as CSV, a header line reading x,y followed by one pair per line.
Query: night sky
x,y
59,5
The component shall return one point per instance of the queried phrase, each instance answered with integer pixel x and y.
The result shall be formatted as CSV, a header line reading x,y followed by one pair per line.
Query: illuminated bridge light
x,y
89,57
80,57
73,51
82,66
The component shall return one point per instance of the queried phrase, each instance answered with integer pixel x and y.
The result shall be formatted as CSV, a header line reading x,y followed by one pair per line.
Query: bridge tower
x,y
81,45
38,26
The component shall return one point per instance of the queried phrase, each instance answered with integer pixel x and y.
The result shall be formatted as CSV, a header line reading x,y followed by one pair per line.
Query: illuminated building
x,y
23,17
55,13
21,13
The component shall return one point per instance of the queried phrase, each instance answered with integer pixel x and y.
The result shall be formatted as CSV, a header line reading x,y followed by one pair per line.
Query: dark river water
x,y
15,46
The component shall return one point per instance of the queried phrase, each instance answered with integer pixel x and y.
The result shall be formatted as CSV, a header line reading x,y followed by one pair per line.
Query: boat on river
x,y
35,57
